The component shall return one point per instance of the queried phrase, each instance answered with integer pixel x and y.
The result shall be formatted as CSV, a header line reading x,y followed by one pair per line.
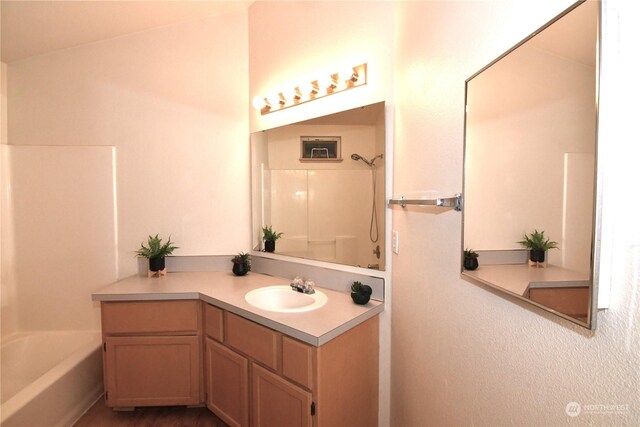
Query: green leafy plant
x,y
244,259
536,241
155,248
269,235
470,253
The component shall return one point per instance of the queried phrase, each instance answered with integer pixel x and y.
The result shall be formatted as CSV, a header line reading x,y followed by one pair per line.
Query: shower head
x,y
357,157
371,163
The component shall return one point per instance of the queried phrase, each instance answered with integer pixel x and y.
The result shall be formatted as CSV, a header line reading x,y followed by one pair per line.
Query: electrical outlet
x,y
395,242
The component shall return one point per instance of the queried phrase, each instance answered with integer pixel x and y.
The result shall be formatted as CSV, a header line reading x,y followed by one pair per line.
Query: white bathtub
x,y
49,378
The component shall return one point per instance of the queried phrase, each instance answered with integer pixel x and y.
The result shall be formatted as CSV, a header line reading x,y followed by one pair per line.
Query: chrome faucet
x,y
306,287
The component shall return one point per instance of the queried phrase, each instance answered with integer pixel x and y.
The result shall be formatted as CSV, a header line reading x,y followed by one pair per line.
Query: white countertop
x,y
517,278
227,291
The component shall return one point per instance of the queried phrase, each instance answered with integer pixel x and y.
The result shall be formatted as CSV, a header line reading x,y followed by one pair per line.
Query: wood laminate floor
x,y
171,416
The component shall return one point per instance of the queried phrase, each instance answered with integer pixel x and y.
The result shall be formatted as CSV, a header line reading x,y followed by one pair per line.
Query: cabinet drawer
x,y
256,341
298,362
150,317
213,322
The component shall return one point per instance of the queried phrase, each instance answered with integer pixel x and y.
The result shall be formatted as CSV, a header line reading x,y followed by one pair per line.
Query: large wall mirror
x,y
530,166
321,183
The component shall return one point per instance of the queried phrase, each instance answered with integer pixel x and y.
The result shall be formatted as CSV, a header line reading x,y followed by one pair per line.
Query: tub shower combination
x,y
49,378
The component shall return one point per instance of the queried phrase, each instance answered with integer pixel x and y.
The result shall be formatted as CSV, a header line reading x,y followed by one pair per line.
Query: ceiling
x,y
29,28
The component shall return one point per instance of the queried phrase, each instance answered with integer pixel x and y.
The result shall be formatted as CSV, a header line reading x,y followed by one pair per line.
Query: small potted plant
x,y
470,259
241,264
538,246
360,294
270,237
156,251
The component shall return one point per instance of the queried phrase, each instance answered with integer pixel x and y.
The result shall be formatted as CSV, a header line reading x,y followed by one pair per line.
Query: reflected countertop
x,y
227,291
518,278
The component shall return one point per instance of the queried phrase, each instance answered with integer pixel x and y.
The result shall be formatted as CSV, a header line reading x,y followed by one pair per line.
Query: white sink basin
x,y
283,299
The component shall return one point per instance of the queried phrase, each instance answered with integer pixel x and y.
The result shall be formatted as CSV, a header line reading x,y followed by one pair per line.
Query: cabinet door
x,y
152,370
278,403
227,384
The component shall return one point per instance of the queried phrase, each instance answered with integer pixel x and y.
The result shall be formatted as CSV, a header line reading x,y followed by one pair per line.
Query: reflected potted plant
x,y
269,236
241,264
538,246
155,252
470,259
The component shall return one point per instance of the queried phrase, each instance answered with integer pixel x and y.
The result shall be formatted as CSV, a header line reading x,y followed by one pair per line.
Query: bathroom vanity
x,y
192,339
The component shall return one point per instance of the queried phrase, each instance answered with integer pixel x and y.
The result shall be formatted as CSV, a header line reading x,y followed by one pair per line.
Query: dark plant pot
x,y
471,263
156,264
239,269
269,245
359,298
536,255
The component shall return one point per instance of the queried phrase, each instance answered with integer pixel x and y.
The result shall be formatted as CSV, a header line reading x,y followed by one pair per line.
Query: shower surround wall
x,y
324,208
61,245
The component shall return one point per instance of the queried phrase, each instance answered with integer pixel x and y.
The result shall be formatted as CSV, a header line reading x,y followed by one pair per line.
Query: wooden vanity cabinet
x,y
152,353
162,353
260,377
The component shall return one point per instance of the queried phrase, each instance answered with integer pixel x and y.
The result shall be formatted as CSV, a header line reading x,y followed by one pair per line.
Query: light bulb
x,y
347,74
325,82
259,102
274,99
291,94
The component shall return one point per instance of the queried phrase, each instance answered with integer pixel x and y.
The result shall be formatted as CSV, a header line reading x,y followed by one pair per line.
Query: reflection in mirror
x,y
530,144
329,206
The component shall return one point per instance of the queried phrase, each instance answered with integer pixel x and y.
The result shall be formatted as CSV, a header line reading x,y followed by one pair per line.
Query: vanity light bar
x,y
445,202
340,81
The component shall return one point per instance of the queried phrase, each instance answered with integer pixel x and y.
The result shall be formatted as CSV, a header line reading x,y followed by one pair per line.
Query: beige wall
x,y
173,102
461,354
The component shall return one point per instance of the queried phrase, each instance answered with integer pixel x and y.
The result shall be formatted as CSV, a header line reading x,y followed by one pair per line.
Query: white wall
x,y
173,101
463,355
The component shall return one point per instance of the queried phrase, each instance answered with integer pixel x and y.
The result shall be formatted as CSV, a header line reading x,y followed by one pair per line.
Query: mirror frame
x,y
597,199
383,273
